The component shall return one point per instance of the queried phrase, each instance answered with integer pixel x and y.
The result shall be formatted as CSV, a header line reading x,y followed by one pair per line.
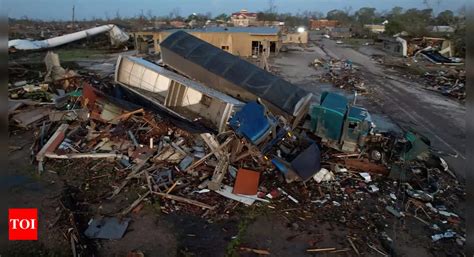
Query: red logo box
x,y
23,224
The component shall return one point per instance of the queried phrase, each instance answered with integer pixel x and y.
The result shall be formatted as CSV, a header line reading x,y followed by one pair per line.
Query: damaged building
x,y
240,41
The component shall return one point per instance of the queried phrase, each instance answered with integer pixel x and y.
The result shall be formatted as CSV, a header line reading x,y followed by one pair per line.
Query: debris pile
x,y
449,83
260,159
341,74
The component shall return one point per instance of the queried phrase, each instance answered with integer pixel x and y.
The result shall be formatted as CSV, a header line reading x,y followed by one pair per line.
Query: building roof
x,y
249,30
444,29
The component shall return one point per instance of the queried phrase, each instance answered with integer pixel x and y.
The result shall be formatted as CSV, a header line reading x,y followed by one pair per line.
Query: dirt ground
x,y
281,231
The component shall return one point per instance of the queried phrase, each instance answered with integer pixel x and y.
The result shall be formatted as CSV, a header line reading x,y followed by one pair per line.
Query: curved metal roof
x,y
237,71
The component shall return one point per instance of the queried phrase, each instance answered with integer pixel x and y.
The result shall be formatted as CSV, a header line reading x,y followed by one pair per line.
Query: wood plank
x,y
53,142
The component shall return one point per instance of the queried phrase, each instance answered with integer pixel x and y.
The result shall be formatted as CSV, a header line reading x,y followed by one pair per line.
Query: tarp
x,y
284,95
436,57
308,162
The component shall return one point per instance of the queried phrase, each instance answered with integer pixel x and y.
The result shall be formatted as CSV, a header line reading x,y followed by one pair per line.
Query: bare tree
x,y
150,15
117,15
272,8
175,13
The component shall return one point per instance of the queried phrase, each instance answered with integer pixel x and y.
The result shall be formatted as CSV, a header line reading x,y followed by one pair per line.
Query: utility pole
x,y
73,16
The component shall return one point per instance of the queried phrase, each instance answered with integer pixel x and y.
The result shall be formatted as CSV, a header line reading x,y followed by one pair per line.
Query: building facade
x,y
240,41
244,18
322,24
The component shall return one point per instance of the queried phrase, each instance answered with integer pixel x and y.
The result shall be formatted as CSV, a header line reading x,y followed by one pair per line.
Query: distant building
x,y
440,29
395,45
178,24
295,38
241,41
269,23
322,24
160,24
375,28
340,32
244,18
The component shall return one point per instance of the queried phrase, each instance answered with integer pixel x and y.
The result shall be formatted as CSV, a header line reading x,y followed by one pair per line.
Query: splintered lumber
x,y
257,251
26,118
212,143
53,142
315,250
126,115
197,163
135,170
185,200
219,172
85,155
134,204
353,246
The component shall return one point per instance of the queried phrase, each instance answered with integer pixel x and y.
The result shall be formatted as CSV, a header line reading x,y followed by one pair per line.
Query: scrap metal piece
x,y
107,228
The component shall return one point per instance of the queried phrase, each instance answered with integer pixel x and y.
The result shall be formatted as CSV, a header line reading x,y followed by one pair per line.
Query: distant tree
x,y
394,27
312,14
117,15
396,11
365,15
222,16
175,14
445,18
413,21
106,15
342,16
150,14
272,8
266,16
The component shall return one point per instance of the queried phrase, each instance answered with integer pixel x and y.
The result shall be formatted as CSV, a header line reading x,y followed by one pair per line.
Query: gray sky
x,y
61,9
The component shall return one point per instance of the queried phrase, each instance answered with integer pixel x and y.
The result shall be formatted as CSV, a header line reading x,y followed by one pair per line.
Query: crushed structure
x,y
205,131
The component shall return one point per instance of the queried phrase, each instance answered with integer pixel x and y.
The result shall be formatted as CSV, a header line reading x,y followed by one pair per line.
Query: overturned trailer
x,y
183,97
234,76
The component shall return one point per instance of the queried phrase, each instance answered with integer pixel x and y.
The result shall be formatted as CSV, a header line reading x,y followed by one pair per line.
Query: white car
x,y
339,42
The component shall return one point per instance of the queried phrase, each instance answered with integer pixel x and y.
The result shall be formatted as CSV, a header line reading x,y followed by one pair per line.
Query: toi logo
x,y
23,224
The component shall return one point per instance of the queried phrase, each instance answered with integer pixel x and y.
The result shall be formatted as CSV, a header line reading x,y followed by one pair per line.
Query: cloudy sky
x,y
62,9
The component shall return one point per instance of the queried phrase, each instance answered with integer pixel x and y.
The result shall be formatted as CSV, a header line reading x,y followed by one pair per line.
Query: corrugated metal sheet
x,y
284,95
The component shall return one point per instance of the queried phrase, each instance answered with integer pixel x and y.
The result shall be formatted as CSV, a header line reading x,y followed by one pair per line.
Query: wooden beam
x,y
185,200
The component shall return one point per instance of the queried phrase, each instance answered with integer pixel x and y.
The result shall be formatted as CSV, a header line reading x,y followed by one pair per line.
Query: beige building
x,y
240,41
295,38
374,28
244,18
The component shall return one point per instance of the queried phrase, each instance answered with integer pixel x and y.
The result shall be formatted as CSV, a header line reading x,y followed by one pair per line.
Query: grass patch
x,y
72,54
248,215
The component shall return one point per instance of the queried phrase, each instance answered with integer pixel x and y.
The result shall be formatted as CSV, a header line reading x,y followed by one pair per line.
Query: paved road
x,y
405,102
